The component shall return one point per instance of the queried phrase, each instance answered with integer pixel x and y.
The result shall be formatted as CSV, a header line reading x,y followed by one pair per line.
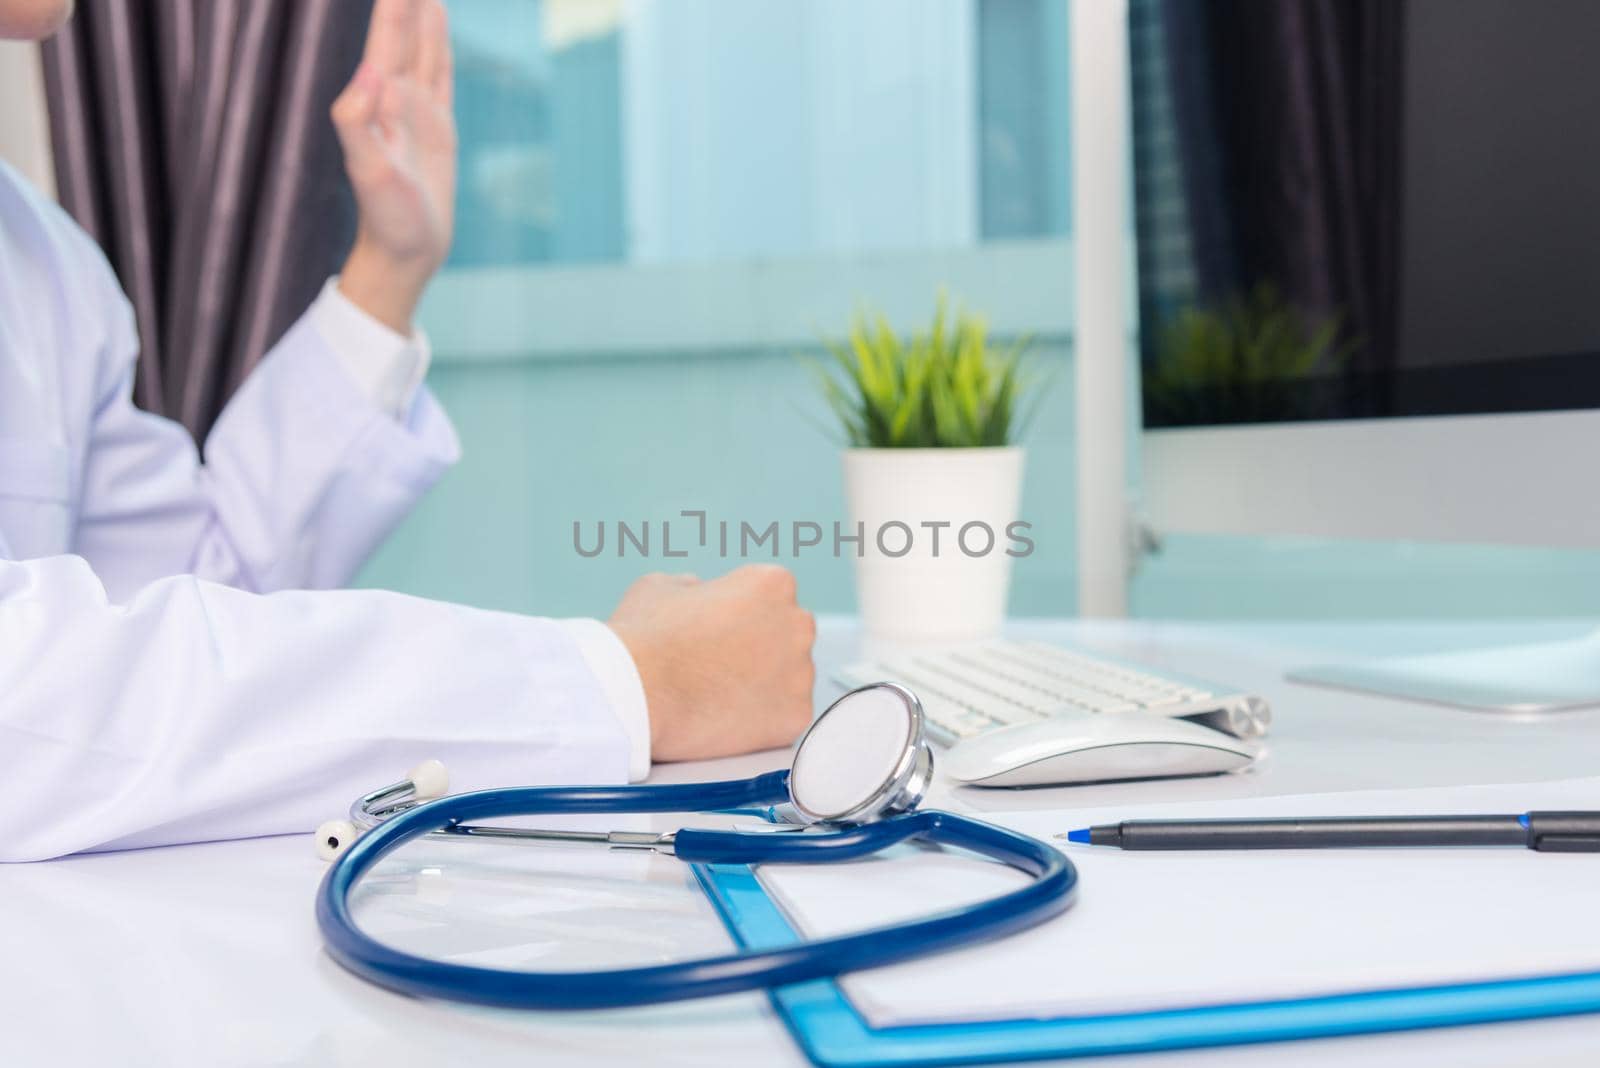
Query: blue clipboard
x,y
832,1033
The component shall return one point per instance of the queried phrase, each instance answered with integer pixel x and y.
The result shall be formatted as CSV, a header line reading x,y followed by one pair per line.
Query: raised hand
x,y
399,138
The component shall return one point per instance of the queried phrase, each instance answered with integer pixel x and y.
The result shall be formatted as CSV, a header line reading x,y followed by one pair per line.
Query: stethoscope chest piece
x,y
866,758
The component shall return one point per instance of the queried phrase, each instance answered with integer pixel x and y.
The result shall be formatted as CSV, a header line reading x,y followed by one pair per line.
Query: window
x,y
662,203
595,131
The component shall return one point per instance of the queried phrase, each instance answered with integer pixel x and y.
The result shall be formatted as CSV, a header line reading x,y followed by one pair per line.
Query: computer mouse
x,y
1076,749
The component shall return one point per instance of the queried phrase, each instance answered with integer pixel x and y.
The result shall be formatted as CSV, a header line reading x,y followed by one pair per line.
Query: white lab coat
x,y
152,689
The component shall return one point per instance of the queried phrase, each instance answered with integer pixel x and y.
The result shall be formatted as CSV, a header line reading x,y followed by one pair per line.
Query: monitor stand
x,y
1509,679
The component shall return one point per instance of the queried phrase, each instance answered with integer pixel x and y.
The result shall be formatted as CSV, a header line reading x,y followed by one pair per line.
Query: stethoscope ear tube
x,y
1048,894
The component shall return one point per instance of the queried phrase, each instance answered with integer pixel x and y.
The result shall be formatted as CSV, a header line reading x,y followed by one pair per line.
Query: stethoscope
x,y
852,790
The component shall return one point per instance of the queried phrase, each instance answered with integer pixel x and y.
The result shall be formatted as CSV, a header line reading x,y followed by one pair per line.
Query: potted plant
x,y
933,474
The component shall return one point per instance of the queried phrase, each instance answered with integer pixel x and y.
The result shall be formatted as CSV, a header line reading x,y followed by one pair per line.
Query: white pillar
x,y
1100,149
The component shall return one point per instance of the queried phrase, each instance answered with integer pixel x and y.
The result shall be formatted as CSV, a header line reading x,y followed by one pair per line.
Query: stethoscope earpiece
x,y
334,837
428,779
424,782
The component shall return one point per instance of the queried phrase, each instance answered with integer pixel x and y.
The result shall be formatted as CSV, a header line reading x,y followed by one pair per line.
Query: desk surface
x,y
208,955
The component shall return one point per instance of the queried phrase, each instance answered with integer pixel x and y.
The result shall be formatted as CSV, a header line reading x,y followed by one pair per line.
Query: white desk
x,y
208,955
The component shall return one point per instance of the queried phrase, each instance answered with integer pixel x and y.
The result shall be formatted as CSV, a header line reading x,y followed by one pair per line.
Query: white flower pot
x,y
917,595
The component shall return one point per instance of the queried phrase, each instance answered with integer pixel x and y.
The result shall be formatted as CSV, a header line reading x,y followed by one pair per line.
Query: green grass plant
x,y
945,387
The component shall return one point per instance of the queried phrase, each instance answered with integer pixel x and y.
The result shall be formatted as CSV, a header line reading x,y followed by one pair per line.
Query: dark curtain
x,y
1286,120
192,141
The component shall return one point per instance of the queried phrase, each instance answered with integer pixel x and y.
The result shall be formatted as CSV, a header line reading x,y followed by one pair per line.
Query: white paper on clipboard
x,y
1157,930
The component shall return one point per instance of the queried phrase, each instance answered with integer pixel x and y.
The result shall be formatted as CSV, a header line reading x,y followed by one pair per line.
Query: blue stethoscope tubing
x,y
1049,893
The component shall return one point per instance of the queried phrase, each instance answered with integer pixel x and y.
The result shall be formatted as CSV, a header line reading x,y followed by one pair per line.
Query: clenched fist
x,y
726,664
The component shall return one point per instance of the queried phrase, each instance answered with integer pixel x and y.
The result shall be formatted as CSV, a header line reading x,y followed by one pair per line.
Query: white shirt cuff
x,y
387,367
609,661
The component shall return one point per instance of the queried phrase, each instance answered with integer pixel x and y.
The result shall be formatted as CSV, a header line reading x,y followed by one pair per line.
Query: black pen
x,y
1550,832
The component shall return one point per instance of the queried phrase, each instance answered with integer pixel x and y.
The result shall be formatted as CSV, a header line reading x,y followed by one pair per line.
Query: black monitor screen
x,y
1366,208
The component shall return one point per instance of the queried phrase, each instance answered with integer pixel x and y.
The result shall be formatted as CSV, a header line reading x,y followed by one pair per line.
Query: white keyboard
x,y
973,689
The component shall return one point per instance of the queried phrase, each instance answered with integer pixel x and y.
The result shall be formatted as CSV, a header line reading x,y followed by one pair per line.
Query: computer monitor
x,y
1369,286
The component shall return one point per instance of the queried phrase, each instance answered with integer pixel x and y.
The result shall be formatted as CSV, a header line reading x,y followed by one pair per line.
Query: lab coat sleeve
x,y
610,662
304,474
386,367
197,711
